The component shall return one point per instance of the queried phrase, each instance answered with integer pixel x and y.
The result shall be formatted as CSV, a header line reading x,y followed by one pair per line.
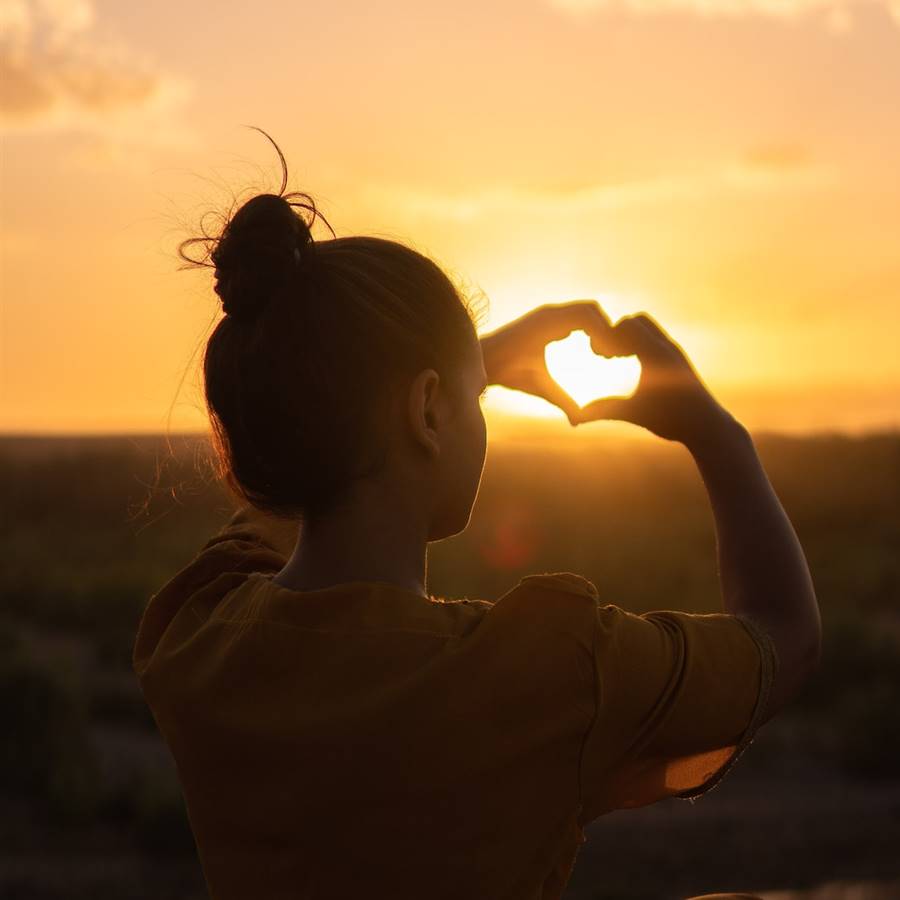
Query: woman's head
x,y
339,361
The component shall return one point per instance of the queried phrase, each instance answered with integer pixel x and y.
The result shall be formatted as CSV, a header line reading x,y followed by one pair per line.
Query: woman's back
x,y
362,738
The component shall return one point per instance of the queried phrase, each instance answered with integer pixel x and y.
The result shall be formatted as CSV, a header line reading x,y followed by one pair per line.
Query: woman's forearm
x,y
762,567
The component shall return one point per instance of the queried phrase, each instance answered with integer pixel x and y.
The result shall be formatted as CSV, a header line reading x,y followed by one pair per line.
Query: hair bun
x,y
260,251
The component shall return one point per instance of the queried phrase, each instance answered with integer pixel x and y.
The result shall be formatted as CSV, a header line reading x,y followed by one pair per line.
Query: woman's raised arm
x,y
762,568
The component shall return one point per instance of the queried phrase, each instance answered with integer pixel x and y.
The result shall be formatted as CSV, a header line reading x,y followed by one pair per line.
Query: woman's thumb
x,y
607,408
554,393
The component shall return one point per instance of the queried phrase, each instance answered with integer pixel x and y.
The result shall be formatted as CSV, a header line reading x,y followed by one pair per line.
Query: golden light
x,y
572,363
584,375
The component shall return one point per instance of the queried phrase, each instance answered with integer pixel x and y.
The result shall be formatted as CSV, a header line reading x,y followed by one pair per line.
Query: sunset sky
x,y
731,167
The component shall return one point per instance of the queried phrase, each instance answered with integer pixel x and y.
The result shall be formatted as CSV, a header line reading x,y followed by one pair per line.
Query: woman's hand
x,y
514,354
670,400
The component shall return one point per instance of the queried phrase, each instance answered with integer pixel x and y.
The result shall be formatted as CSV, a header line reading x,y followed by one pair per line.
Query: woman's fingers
x,y
555,321
540,383
653,327
620,408
551,390
630,336
518,353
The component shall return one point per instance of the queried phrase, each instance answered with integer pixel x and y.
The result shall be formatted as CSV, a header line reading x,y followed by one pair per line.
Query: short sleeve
x,y
679,697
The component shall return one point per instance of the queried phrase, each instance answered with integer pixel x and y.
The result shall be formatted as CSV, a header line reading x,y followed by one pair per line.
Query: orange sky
x,y
731,167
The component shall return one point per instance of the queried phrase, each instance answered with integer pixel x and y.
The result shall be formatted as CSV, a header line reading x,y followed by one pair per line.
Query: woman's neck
x,y
370,540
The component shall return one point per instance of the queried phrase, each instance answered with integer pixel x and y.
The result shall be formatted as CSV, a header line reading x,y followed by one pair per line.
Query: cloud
x,y
58,73
771,168
778,157
838,14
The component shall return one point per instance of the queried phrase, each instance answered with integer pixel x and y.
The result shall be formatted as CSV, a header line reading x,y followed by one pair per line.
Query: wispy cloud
x,y
837,14
780,156
768,168
59,72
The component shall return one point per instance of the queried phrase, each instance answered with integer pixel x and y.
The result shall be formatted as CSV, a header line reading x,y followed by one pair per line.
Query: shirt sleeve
x,y
679,697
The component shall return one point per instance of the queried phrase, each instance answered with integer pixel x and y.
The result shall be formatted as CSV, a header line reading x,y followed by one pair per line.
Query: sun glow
x,y
570,361
584,375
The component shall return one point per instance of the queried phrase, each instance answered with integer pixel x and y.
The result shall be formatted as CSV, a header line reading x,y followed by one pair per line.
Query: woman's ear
x,y
425,410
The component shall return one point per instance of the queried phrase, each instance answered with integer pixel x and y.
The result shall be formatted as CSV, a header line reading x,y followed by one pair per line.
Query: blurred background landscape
x,y
94,525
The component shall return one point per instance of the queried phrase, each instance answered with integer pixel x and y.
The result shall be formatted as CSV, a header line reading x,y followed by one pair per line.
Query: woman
x,y
341,732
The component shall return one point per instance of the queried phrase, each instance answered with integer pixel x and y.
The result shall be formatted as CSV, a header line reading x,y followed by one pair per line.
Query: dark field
x,y
93,526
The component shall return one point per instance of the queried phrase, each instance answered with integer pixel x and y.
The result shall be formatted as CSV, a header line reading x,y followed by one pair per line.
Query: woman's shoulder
x,y
547,608
567,582
546,590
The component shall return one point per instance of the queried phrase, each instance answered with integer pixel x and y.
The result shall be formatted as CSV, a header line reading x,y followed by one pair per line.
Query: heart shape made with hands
x,y
586,376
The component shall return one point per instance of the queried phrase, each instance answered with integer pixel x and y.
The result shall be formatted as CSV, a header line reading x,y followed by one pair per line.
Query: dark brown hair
x,y
317,337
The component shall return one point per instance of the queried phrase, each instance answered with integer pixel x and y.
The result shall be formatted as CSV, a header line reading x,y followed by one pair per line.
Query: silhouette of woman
x,y
341,732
